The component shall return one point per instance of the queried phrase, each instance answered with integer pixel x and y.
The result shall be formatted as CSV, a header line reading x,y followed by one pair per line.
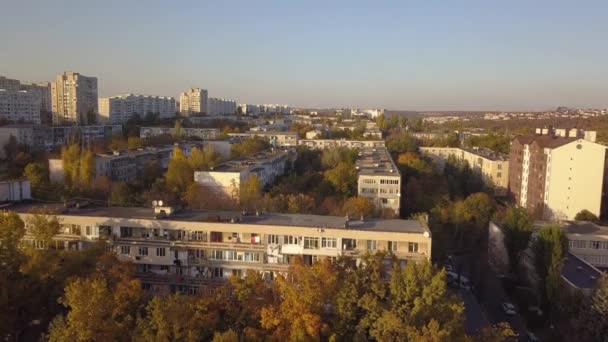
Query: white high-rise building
x,y
74,98
193,101
20,106
217,106
119,109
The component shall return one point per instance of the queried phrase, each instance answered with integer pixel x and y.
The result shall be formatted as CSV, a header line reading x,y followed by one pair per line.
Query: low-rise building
x,y
226,179
119,109
190,250
322,144
276,139
493,167
15,190
379,178
200,133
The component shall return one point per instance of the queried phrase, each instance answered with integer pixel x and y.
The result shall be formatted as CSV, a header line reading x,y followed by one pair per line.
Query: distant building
x,y
491,166
277,139
45,138
200,133
557,176
119,109
226,178
322,144
9,84
20,106
217,107
378,178
74,98
15,190
193,101
43,90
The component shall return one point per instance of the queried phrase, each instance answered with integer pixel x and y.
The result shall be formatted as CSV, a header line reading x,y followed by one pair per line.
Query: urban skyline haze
x,y
466,55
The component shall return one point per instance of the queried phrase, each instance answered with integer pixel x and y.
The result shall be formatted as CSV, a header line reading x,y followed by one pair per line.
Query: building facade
x,y
200,133
74,98
226,179
493,167
193,101
277,139
20,106
9,84
192,250
119,109
322,144
217,107
378,178
556,177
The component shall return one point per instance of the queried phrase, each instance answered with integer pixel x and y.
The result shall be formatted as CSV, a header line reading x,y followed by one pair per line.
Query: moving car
x,y
509,309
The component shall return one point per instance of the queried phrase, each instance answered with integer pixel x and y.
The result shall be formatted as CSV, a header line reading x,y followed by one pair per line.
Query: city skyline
x,y
473,56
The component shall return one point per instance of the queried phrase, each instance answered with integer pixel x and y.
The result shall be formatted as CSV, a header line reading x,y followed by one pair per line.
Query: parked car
x,y
509,309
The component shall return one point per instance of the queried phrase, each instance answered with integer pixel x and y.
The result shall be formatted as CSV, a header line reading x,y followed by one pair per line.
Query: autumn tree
x,y
203,160
250,192
586,215
37,173
43,226
343,178
120,195
517,229
133,143
300,204
358,207
330,158
592,322
86,170
248,147
70,156
500,332
550,248
179,172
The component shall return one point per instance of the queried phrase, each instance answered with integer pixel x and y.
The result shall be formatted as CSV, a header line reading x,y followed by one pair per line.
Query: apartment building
x,y
190,250
276,139
379,178
73,97
557,176
322,144
9,84
493,167
46,138
123,166
588,241
217,107
226,178
253,109
193,101
20,106
43,90
200,133
119,109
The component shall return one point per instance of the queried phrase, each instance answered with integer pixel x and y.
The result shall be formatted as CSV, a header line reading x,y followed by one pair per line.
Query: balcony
x,y
164,242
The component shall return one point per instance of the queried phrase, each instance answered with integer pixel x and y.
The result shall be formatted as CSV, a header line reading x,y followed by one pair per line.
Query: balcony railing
x,y
192,243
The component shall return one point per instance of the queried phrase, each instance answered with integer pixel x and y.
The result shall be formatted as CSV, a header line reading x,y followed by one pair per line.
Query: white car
x,y
509,309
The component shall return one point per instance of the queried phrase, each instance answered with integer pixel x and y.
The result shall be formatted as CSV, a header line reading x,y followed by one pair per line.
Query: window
x,y
372,244
126,231
577,244
291,240
311,242
595,244
412,247
328,242
218,272
160,251
498,175
143,250
217,255
125,250
393,246
273,239
198,236
230,255
88,230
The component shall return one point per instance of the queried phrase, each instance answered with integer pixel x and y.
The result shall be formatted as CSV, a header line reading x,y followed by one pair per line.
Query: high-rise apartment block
x,y
193,101
221,107
119,109
556,174
20,106
9,84
74,98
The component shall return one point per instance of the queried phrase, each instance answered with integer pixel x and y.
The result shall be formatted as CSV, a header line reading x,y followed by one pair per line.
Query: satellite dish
x,y
154,203
160,203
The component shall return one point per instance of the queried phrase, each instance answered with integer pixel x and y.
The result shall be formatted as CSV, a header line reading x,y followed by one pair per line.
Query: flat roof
x,y
376,161
585,228
272,219
255,160
579,273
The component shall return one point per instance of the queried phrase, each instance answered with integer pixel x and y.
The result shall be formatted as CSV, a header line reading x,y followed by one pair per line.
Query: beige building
x,y
20,106
277,139
200,133
193,101
73,97
493,167
226,178
119,109
322,144
379,178
191,250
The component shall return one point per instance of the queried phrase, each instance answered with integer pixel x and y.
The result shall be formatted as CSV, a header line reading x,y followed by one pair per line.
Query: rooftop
x,y
376,161
251,161
584,228
268,219
579,273
487,153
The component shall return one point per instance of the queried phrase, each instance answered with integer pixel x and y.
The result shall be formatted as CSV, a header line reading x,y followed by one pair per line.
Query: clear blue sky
x,y
418,55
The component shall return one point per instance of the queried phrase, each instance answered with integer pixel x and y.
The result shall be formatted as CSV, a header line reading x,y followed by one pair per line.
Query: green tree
x,y
399,142
70,156
592,322
517,229
550,248
248,147
120,195
586,215
43,227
